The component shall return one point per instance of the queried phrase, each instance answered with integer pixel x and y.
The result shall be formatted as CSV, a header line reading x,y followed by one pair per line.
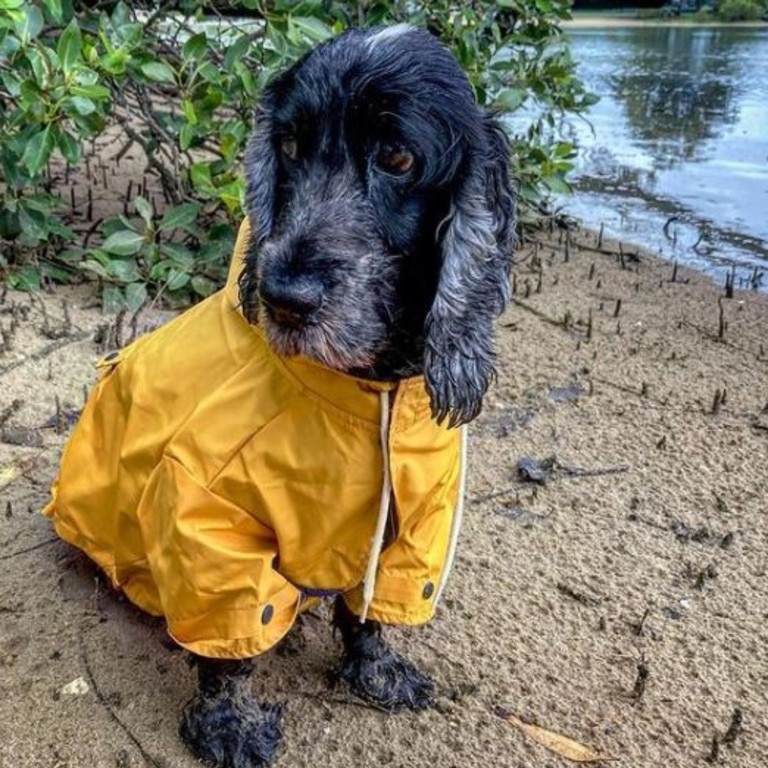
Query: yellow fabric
x,y
220,485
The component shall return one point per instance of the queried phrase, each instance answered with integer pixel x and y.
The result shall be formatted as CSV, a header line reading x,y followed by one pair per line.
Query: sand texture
x,y
623,602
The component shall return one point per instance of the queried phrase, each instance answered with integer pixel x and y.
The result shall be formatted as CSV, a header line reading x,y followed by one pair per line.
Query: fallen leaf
x,y
561,745
9,474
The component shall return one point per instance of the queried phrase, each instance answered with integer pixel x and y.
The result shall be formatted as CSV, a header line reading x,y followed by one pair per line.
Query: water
x,y
680,139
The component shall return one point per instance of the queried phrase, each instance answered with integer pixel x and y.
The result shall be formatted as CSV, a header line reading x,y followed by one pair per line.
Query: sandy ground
x,y
622,603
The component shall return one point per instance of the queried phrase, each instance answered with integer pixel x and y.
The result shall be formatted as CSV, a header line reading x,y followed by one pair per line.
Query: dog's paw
x,y
231,731
383,678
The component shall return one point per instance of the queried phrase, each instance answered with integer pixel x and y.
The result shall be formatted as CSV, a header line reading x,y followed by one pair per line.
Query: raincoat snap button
x,y
429,590
267,614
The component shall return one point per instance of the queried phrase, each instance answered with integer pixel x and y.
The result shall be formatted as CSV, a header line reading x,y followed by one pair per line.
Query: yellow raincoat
x,y
220,485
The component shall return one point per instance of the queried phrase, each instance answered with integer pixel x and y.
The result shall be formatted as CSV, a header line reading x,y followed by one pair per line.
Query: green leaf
x,y
135,295
54,9
188,108
9,5
203,286
126,242
181,216
186,136
32,223
25,278
180,256
158,72
68,146
176,279
38,150
144,209
232,195
38,63
112,299
510,99
96,92
30,25
557,185
8,46
95,267
80,105
312,28
123,270
202,181
236,51
195,47
115,62
70,46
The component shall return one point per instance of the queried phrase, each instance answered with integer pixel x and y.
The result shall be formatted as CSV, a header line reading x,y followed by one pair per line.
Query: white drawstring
x,y
458,515
369,583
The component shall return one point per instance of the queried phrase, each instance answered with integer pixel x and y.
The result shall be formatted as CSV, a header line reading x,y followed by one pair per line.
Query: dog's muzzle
x,y
292,304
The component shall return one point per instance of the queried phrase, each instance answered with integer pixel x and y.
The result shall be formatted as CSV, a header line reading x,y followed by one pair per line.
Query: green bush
x,y
178,86
740,10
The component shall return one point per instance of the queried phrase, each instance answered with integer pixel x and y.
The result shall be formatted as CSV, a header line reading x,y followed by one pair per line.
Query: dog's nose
x,y
291,303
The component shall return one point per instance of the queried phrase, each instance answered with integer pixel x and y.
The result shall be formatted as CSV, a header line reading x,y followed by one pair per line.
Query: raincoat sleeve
x,y
214,565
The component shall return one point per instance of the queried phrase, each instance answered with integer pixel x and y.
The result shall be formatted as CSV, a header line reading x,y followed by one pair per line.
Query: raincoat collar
x,y
341,390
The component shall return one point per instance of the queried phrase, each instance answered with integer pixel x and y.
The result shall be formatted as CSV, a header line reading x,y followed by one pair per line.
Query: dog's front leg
x,y
223,724
373,671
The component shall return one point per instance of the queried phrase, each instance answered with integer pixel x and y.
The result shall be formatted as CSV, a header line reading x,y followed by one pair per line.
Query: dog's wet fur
x,y
382,223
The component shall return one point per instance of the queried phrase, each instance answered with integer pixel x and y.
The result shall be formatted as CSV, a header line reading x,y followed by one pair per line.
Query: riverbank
x,y
588,20
620,600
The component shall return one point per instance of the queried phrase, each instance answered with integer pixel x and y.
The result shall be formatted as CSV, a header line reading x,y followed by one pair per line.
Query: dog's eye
x,y
395,160
289,147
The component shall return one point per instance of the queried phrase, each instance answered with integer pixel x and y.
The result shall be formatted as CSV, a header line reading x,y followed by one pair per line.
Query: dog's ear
x,y
260,188
473,288
261,176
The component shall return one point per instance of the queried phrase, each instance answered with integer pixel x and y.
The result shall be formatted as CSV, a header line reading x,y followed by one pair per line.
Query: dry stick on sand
x,y
45,351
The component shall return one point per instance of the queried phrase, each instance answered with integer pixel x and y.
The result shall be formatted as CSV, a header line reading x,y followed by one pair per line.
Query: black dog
x,y
382,215
227,466
382,221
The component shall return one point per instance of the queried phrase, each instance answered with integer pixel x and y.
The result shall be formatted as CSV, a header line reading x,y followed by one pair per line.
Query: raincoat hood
x,y
221,485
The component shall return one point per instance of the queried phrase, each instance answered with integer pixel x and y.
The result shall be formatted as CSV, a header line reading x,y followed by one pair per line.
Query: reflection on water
x,y
681,134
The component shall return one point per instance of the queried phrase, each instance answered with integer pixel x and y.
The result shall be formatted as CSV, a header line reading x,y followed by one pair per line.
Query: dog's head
x,y
382,216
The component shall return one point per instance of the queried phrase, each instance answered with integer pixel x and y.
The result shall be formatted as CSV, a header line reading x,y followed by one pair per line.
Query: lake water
x,y
679,138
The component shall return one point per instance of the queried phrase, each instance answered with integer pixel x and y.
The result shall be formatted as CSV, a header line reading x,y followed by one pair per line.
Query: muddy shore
x,y
621,600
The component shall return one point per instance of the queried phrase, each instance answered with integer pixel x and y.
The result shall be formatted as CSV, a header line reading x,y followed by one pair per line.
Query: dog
x,y
227,468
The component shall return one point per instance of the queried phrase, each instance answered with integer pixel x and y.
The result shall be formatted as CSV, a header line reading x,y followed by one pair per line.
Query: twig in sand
x,y
641,680
45,351
110,711
587,600
638,627
722,324
736,728
24,551
714,750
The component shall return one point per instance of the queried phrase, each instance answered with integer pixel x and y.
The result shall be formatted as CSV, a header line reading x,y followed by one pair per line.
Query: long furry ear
x,y
261,176
473,287
260,191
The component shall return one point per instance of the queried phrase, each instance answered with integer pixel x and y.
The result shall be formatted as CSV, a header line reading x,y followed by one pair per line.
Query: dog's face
x,y
382,216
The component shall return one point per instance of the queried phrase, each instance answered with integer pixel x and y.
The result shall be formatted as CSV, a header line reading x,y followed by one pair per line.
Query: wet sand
x,y
622,602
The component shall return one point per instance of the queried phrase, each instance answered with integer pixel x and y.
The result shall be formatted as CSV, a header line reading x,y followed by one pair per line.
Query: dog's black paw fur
x,y
223,725
231,732
373,671
383,678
